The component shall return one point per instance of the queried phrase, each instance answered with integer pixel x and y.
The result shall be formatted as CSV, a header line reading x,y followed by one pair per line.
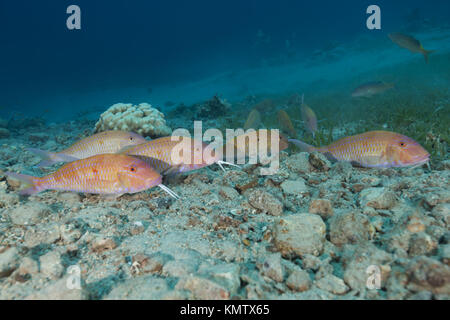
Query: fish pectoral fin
x,y
173,170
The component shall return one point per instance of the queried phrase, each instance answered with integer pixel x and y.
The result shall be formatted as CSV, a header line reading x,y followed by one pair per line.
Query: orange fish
x,y
100,143
166,154
373,149
110,174
253,120
286,124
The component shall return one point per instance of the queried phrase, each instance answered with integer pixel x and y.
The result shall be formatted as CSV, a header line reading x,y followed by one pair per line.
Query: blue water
x,y
157,51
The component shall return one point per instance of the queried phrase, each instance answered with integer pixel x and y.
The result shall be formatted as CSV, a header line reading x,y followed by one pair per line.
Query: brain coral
x,y
142,119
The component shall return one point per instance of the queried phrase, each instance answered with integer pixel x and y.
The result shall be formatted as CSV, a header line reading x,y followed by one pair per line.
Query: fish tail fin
x,y
31,187
50,158
303,146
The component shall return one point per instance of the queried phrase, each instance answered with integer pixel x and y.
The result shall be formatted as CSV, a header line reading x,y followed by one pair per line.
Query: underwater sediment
x,y
309,231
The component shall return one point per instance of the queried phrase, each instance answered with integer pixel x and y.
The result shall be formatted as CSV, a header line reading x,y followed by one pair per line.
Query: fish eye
x,y
402,144
133,169
131,138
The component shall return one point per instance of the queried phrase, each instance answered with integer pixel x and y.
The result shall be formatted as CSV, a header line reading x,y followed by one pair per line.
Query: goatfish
x,y
309,118
286,124
253,120
410,43
373,149
99,143
161,154
371,88
108,174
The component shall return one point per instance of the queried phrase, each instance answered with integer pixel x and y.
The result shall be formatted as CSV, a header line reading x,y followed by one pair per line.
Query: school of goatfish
x,y
117,162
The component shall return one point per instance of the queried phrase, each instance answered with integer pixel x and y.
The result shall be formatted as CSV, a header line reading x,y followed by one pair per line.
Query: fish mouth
x,y
420,160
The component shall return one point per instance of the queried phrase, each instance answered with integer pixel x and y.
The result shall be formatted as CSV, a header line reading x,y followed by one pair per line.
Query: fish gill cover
x,y
357,206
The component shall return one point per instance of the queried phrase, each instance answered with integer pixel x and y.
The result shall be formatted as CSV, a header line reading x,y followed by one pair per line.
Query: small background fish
x,y
309,118
371,88
285,123
410,43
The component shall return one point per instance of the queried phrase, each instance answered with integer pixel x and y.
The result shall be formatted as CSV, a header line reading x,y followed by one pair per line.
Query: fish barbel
x,y
377,149
99,143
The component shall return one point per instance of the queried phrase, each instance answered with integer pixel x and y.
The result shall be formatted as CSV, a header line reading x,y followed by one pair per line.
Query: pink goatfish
x,y
166,154
373,149
100,143
309,118
109,174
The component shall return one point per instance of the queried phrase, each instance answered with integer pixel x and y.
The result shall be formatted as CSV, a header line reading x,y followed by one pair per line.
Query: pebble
x,y
59,290
294,187
153,263
203,288
299,281
421,244
271,267
265,202
228,193
377,198
319,161
147,287
299,163
50,265
9,261
332,284
29,213
43,234
101,244
321,207
300,234
350,227
429,274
